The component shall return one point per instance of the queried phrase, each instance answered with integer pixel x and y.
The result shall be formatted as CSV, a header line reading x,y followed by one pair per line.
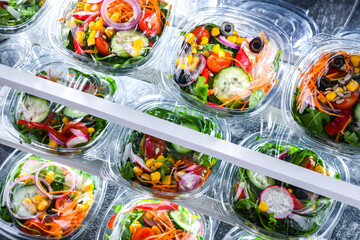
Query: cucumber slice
x,y
123,40
19,194
260,181
35,109
182,220
357,112
73,113
230,81
181,149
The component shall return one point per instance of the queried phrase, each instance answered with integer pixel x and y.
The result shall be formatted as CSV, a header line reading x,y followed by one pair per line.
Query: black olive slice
x,y
337,61
323,83
227,29
256,45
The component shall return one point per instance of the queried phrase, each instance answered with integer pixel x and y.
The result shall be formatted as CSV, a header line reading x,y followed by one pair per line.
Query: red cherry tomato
x,y
349,102
297,204
36,224
76,125
111,221
243,61
102,45
143,233
199,33
150,24
191,166
215,63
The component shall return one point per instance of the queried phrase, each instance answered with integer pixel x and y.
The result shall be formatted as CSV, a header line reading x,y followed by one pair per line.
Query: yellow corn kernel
x,y
80,207
65,120
80,38
72,23
357,70
207,54
221,54
235,32
22,175
135,225
138,43
239,40
88,188
263,206
216,48
27,202
153,168
145,176
92,26
52,143
95,7
149,162
339,90
195,62
87,7
50,176
91,41
158,164
167,180
41,3
99,26
327,173
32,209
156,230
194,45
204,40
155,176
189,58
352,86
149,216
37,199
355,59
178,61
137,170
319,169
42,205
182,66
189,38
110,32
115,17
215,32
232,39
322,99
194,50
134,52
290,190
331,96
91,130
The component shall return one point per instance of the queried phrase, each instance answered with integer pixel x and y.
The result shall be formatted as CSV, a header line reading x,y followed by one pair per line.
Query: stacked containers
x,y
269,208
37,121
43,199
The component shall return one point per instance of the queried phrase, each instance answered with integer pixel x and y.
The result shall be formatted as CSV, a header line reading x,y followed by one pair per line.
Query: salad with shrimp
x,y
118,32
277,206
150,219
56,126
165,166
46,199
223,69
326,101
15,12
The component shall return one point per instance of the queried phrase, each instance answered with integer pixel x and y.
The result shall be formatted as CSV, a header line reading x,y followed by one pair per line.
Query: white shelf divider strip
x,y
229,152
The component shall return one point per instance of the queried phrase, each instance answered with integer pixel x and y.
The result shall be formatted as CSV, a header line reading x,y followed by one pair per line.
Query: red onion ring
x,y
121,26
51,196
226,42
13,185
55,139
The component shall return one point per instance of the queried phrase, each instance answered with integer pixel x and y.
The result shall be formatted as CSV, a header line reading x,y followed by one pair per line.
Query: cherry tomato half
x,y
215,63
76,125
150,24
199,33
143,233
36,224
102,45
349,102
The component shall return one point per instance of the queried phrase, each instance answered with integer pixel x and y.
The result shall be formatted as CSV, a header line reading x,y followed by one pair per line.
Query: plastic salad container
x,y
39,121
14,52
16,16
290,18
271,209
136,218
238,234
113,35
321,101
160,167
41,199
226,61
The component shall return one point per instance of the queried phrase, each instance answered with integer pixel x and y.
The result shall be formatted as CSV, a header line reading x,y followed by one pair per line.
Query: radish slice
x,y
188,182
141,163
78,138
279,201
30,166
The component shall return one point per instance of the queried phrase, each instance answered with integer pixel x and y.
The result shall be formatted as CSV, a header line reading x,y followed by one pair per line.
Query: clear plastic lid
x,y
226,62
321,100
152,165
54,127
238,234
132,216
41,199
17,16
294,20
347,33
271,209
111,36
14,52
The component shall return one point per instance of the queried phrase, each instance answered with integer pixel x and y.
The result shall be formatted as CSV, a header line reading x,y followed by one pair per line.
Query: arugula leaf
x,y
201,89
126,171
117,208
315,120
165,169
256,97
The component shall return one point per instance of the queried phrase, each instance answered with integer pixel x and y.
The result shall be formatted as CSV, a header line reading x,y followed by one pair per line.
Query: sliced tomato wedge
x,y
349,102
215,63
150,24
102,45
199,33
143,233
243,61
111,221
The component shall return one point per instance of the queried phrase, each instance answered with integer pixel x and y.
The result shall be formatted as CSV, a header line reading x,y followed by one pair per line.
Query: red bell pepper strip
x,y
243,61
82,15
335,126
111,221
205,74
77,46
90,19
36,125
156,206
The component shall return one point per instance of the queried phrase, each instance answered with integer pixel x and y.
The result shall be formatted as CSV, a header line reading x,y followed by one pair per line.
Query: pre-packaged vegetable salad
x,y
44,199
277,209
162,167
120,33
52,126
151,219
225,63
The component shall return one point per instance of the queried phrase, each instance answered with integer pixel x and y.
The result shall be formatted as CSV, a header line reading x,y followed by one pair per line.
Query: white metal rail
x,y
229,152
